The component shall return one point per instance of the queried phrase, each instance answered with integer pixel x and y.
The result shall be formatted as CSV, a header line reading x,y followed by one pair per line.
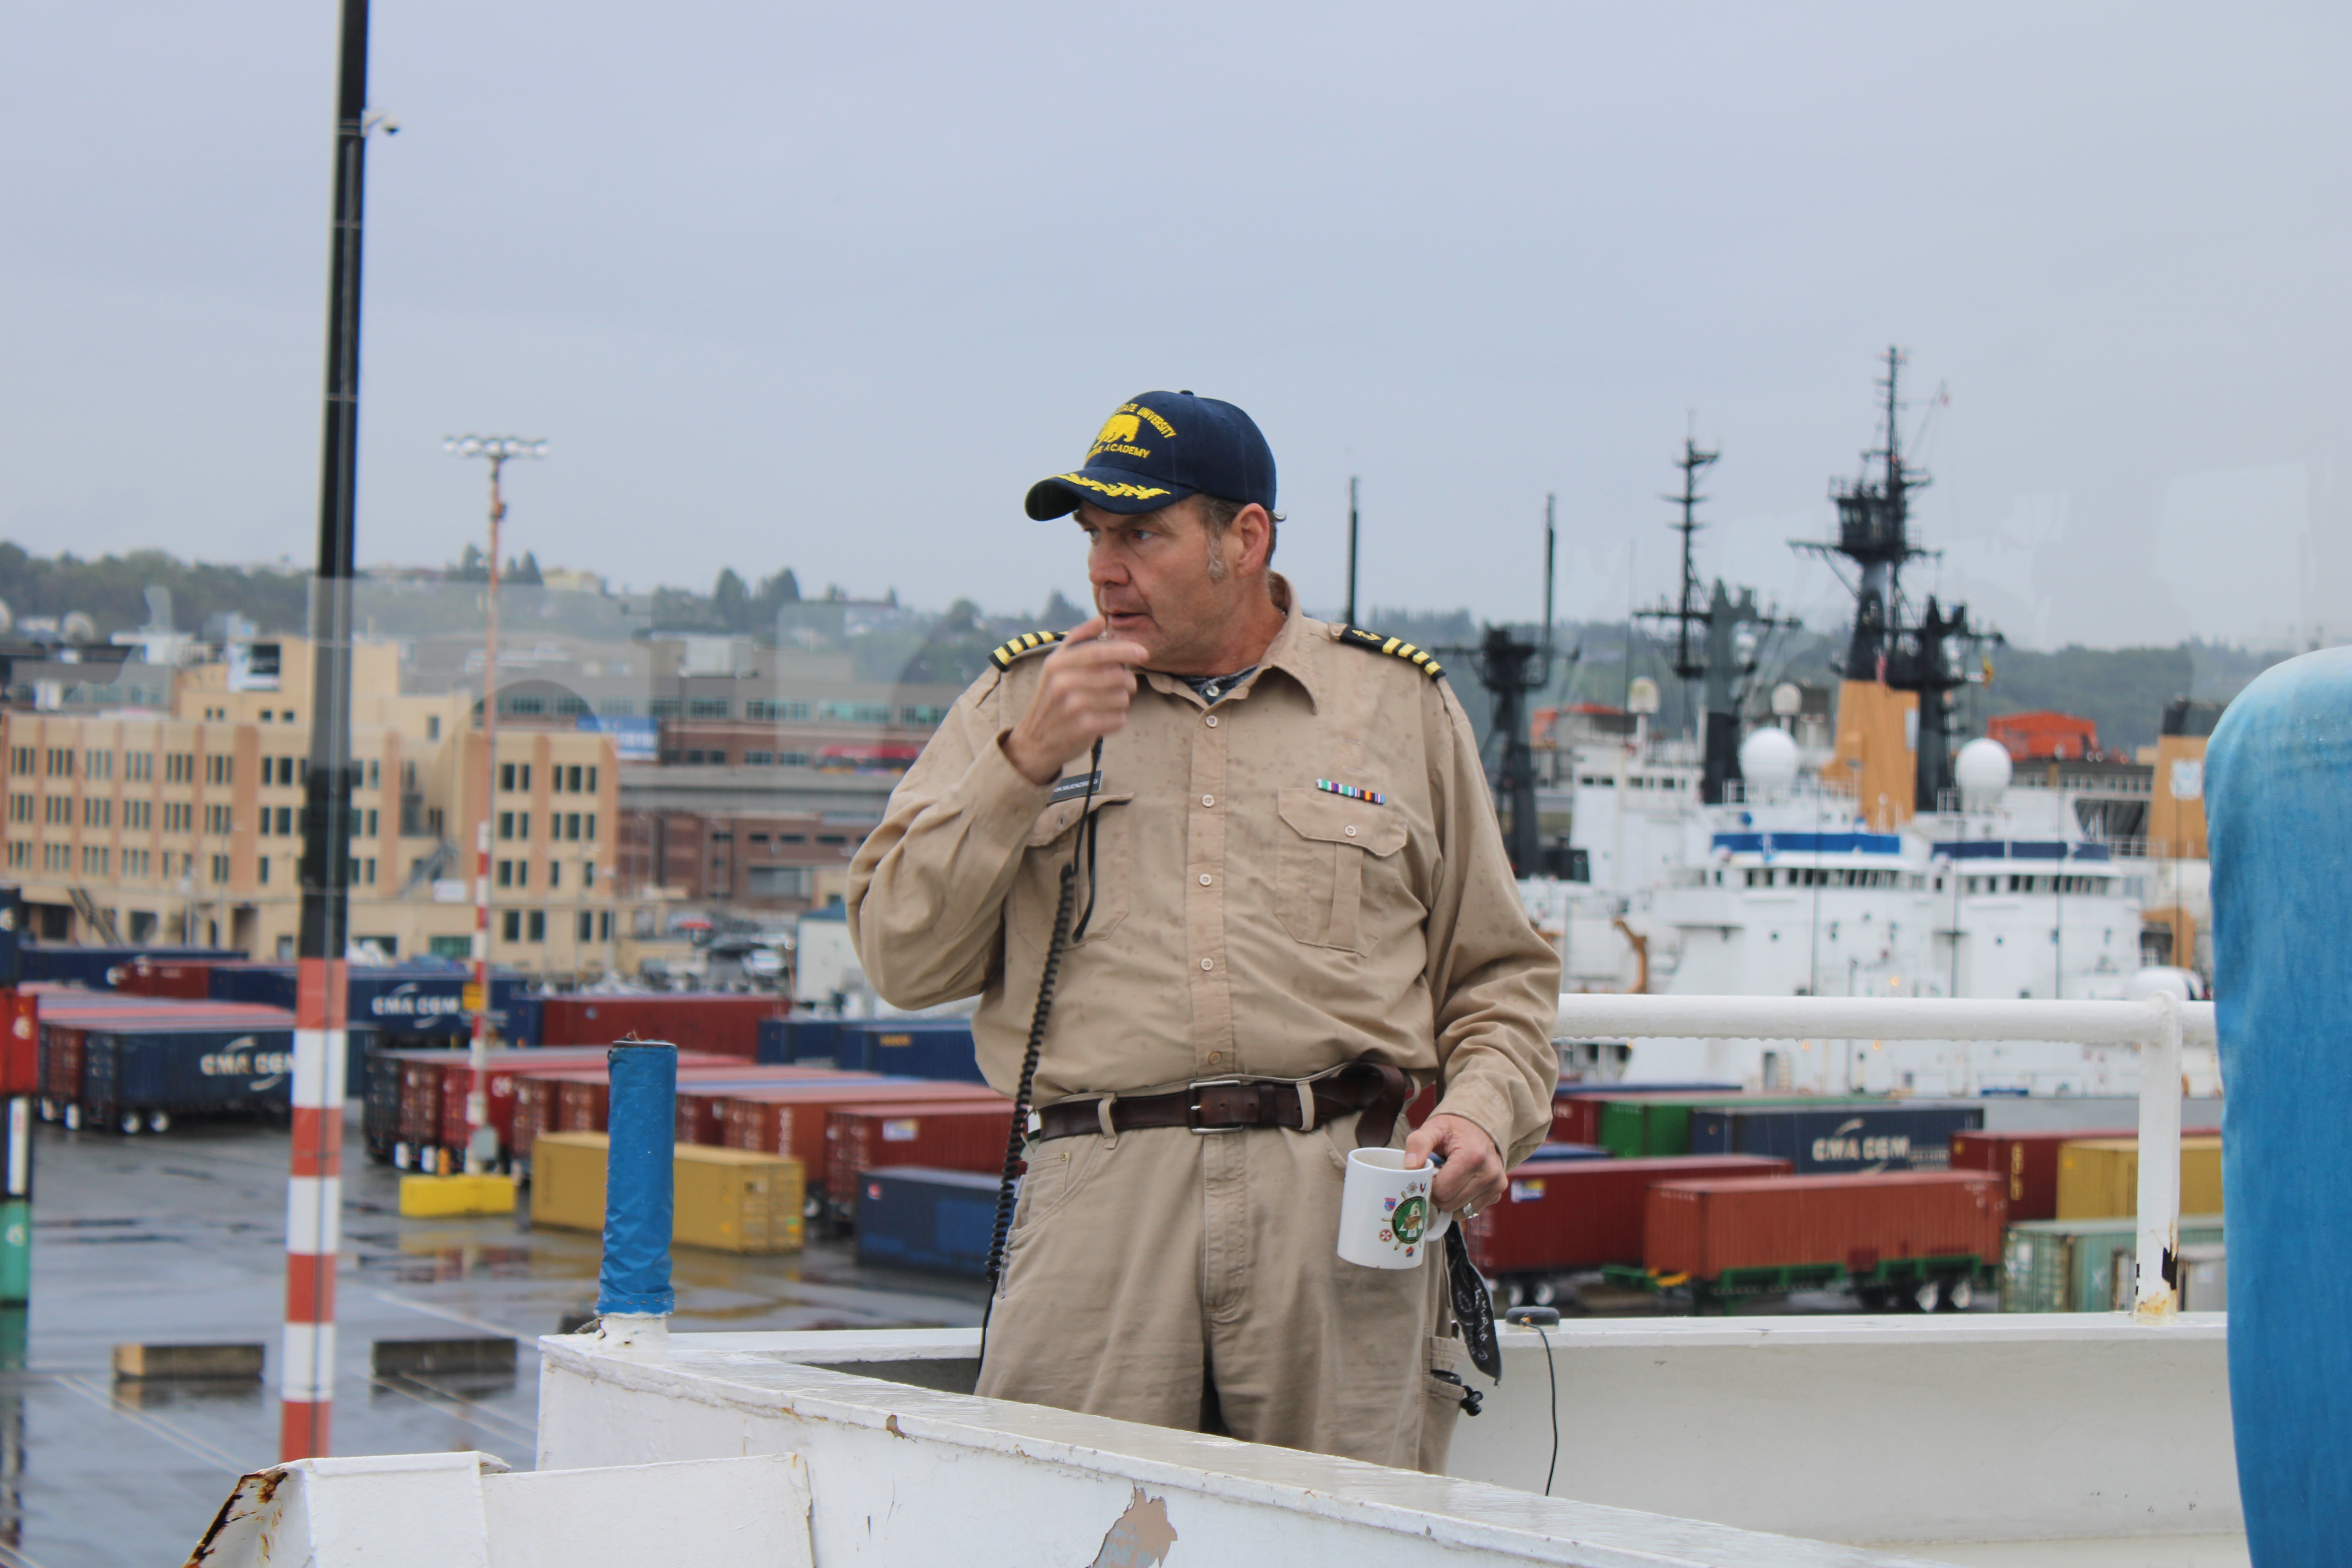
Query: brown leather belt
x,y
1229,1105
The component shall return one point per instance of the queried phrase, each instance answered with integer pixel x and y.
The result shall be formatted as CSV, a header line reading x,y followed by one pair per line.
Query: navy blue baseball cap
x,y
1160,447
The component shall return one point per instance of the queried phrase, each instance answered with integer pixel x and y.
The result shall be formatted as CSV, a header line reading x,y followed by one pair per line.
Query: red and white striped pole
x,y
314,1207
314,1187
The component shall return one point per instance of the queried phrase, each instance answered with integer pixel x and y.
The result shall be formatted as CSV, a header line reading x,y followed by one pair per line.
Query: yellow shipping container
x,y
729,1200
2099,1178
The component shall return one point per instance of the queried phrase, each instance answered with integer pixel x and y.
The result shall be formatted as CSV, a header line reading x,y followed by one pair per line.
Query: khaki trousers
x,y
1190,1280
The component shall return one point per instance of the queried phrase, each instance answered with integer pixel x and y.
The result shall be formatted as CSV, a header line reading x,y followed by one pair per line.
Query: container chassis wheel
x,y
1960,1294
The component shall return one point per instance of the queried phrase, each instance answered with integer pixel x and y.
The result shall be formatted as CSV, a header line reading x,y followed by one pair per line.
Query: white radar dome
x,y
1981,770
1768,761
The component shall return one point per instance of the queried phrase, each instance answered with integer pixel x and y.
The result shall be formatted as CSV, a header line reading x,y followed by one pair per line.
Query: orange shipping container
x,y
1708,1229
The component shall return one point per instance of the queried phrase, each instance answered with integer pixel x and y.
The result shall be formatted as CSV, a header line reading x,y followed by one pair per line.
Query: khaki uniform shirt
x,y
1245,921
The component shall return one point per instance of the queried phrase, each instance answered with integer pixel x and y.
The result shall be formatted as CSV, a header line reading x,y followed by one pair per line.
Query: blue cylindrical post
x,y
634,1281
2278,794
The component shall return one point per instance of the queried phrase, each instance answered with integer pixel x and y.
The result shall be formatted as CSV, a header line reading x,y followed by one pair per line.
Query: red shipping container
x,y
1565,1215
151,977
702,1097
500,1069
535,1104
1706,1228
792,1121
20,1055
719,1023
944,1135
2028,1162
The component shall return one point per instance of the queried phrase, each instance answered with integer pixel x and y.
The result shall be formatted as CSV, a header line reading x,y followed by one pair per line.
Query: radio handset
x,y
1022,1116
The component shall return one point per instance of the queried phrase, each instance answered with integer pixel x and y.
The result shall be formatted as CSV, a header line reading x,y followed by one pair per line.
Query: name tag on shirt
x,y
1075,785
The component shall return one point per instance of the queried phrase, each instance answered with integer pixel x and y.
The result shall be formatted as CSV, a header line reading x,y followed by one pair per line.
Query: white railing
x,y
2158,1026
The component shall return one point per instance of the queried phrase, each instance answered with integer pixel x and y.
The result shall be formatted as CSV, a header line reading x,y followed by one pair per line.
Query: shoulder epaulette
x,y
1026,643
1395,647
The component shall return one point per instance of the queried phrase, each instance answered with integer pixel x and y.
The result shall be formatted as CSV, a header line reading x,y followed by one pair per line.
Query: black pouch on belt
x,y
1473,1309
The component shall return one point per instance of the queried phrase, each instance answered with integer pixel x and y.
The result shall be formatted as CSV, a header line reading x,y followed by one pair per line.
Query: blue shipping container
x,y
938,1048
400,999
127,1073
1570,1152
910,1216
1825,1140
799,1040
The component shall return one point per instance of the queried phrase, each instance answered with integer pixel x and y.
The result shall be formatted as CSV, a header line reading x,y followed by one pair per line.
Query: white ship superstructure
x,y
1787,891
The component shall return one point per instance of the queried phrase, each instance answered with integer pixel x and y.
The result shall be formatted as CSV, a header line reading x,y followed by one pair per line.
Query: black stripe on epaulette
x,y
1026,644
1396,647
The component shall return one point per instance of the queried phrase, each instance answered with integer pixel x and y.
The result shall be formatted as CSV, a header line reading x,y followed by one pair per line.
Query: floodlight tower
x,y
482,1138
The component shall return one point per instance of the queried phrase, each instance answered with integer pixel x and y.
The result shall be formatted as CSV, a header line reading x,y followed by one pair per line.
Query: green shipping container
x,y
2069,1265
1659,1126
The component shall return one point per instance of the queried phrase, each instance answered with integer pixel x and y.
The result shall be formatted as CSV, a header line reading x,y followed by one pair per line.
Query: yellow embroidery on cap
x,y
1117,492
1157,424
1119,427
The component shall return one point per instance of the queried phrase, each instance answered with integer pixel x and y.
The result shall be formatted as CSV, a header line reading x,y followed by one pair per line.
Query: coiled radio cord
x,y
1065,902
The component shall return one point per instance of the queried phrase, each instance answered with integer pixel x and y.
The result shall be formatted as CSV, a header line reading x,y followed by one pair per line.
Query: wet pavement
x,y
180,1238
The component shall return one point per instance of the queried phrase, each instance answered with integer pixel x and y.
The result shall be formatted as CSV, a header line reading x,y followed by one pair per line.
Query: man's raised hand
x,y
1083,694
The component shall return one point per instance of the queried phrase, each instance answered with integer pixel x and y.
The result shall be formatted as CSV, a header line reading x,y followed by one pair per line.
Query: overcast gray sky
x,y
828,286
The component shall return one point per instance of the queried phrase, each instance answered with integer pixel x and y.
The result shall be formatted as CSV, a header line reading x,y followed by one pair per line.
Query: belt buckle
x,y
1193,1090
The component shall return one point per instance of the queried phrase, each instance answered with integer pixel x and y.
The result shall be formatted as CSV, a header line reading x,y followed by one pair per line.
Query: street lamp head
x,y
494,446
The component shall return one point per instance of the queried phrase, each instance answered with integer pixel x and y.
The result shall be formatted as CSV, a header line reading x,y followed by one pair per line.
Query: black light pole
x,y
314,1217
1350,616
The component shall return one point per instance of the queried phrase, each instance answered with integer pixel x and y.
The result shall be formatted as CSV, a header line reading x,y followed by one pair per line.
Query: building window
x,y
261,873
588,875
20,759
576,772
506,825
571,707
793,759
832,838
510,924
538,925
855,713
664,707
20,808
506,874
791,837
220,770
285,822
707,708
912,714
592,781
370,878
20,854
555,874
57,856
586,926
759,759
616,708
777,712
571,825
522,705
522,826
433,726
220,870
375,775
604,925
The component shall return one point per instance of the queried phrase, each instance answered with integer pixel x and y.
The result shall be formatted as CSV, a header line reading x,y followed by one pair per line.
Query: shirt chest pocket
x,y
1106,871
1320,855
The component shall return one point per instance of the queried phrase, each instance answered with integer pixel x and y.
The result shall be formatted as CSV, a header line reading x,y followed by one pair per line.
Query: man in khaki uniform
x,y
1292,897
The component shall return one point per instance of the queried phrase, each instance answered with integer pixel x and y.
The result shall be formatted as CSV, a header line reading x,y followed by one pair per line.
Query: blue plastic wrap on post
x,y
2278,793
639,1176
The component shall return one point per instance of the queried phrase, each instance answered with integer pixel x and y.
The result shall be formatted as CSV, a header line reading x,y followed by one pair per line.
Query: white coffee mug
x,y
1389,1217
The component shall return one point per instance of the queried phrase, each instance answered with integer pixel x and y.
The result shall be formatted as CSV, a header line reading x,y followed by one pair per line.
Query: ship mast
x,y
1718,661
1887,649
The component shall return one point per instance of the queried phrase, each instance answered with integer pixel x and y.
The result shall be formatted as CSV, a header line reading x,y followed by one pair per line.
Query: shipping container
x,y
537,1102
190,980
1576,1108
702,1097
1564,1215
2099,1178
2070,1265
141,1080
938,1049
791,1121
2028,1161
941,1135
66,1014
102,968
938,1221
1661,1126
721,1023
20,1047
803,1037
723,1199
498,1070
1923,1235
1827,1138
